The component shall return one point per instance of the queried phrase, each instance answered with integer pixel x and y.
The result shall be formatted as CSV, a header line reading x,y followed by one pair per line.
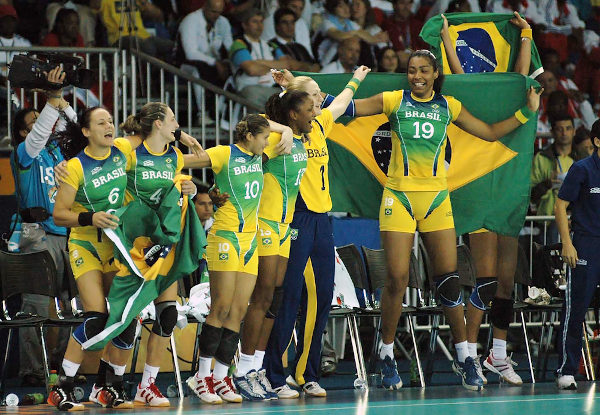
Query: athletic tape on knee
x,y
273,310
166,318
209,340
501,312
483,293
448,289
227,346
93,324
126,339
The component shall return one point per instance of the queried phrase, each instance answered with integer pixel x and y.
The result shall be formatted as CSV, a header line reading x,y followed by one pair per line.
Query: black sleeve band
x,y
85,218
177,134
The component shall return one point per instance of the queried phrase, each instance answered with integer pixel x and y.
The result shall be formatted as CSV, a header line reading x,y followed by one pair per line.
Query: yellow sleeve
x,y
74,173
454,105
391,100
274,139
218,157
179,160
124,145
326,121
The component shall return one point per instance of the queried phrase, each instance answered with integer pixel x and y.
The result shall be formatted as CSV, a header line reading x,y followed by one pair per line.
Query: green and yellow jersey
x,y
238,173
418,139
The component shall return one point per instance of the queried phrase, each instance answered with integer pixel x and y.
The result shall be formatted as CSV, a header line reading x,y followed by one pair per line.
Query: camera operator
x,y
33,162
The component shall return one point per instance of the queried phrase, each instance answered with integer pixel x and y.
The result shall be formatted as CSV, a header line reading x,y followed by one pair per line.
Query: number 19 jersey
x,y
238,173
418,139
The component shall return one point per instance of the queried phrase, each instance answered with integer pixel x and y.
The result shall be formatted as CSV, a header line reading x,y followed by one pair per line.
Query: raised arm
x,y
523,61
453,62
340,103
493,132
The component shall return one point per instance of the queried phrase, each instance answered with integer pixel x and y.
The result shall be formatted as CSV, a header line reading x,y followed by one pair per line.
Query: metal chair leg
x,y
414,340
196,347
45,359
527,347
361,380
176,367
3,376
588,354
360,349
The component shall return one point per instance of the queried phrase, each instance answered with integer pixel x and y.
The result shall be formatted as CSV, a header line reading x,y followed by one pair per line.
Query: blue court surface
x,y
539,399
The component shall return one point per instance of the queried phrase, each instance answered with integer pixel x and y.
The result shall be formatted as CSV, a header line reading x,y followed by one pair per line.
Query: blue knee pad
x,y
126,339
93,324
483,293
448,289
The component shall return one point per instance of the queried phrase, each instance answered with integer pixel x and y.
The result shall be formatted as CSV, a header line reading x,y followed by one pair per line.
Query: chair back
x,y
376,267
27,273
353,262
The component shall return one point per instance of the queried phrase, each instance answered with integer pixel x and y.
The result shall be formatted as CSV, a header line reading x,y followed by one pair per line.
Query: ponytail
x,y
71,140
251,123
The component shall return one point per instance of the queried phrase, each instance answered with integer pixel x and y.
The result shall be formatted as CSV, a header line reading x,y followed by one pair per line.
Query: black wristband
x,y
85,218
177,134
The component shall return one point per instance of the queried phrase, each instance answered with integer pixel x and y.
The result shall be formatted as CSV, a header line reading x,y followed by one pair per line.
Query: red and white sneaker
x,y
151,396
204,389
504,369
225,389
94,394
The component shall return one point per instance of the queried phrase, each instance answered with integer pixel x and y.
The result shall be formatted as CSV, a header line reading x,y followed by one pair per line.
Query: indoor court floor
x,y
538,399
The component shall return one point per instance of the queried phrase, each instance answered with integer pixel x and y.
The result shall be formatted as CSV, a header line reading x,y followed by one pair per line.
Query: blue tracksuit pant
x,y
308,290
581,285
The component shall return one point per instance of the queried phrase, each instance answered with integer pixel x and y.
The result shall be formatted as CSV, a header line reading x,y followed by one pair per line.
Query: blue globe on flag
x,y
475,50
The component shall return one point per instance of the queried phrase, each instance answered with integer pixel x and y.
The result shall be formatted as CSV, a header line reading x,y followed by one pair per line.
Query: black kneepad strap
x,y
273,310
448,289
501,312
209,340
126,338
166,318
227,347
483,293
93,324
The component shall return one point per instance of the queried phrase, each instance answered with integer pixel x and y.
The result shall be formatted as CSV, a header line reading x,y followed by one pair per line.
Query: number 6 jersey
x,y
418,139
239,174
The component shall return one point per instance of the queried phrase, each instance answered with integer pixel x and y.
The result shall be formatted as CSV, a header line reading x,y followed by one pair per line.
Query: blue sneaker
x,y
468,373
261,377
249,387
389,374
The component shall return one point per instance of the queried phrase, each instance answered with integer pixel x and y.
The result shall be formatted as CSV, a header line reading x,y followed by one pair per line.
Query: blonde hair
x,y
142,122
299,83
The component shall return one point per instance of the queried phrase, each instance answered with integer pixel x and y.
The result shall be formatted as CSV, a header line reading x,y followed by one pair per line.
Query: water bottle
x,y
12,400
52,379
172,391
32,399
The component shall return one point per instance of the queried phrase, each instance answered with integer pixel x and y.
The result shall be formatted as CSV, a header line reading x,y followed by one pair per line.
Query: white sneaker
x,y
204,389
94,394
285,392
566,382
225,389
151,396
314,389
504,368
479,369
261,377
292,382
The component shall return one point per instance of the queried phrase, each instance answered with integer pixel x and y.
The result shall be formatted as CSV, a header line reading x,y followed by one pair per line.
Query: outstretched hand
x,y
533,98
282,77
444,24
519,21
361,72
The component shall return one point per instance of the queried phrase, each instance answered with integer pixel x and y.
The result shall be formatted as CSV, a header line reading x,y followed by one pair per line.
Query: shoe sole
x,y
219,402
143,403
316,395
232,400
289,397
491,368
395,387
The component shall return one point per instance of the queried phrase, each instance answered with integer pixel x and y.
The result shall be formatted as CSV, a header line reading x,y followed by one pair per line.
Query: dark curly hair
x,y
71,140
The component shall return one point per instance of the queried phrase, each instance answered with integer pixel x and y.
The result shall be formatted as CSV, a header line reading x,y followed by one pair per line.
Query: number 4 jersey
x,y
100,182
418,139
239,174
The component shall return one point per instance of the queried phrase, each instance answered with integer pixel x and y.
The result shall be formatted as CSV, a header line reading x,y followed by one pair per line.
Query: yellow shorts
x,y
232,251
409,211
86,255
273,238
482,230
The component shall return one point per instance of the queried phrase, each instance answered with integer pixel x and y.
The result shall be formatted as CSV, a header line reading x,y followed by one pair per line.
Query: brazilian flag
x,y
154,247
488,181
484,42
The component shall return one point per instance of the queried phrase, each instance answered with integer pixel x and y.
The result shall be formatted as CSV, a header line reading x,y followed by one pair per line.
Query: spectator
x,y
387,60
560,21
65,31
363,14
204,206
459,6
87,17
348,53
549,169
285,21
403,29
253,59
114,12
33,163
336,27
440,6
205,37
301,33
9,22
583,143
527,9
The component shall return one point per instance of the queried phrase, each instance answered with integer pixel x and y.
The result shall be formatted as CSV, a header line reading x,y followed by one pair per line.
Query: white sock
x,y
220,371
149,375
472,349
244,364
204,364
70,368
499,349
119,370
259,356
386,350
462,351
